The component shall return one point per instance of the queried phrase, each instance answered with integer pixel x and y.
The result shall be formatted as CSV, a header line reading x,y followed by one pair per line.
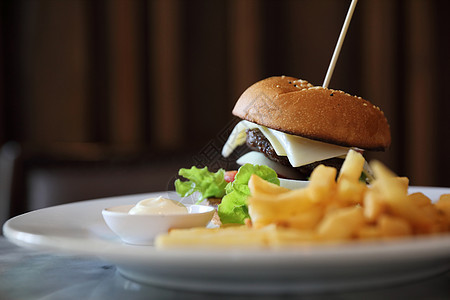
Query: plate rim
x,y
421,246
314,268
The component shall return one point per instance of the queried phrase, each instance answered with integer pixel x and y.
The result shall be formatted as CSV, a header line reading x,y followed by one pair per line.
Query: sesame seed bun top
x,y
296,107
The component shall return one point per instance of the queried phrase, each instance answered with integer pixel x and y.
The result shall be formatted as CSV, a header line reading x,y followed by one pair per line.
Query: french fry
x,y
403,181
436,218
368,232
443,204
333,206
266,209
400,207
308,219
387,183
393,191
282,237
444,198
374,206
215,237
352,167
258,186
349,192
393,226
419,199
341,224
322,183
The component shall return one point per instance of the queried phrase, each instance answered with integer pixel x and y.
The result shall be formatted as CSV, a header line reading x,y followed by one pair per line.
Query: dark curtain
x,y
164,75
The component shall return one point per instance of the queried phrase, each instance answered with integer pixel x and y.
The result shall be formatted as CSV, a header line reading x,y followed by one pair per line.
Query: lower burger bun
x,y
325,117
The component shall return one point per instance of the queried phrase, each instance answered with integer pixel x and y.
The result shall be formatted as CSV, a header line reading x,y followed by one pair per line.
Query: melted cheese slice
x,y
300,151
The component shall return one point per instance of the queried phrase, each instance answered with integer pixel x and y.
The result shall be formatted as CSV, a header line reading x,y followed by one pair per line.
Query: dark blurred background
x,y
109,97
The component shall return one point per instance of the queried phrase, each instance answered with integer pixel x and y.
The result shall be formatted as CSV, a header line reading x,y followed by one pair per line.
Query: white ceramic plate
x,y
79,229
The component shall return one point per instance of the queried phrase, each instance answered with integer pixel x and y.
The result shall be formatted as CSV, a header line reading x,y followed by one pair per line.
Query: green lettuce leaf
x,y
208,184
233,208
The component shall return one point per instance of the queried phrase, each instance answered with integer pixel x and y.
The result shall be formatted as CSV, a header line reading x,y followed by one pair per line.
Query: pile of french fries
x,y
327,210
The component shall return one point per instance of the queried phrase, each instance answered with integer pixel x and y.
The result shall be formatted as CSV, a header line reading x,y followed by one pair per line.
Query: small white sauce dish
x,y
142,229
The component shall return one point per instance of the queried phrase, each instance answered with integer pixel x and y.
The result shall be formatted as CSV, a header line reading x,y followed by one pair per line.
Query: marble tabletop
x,y
28,274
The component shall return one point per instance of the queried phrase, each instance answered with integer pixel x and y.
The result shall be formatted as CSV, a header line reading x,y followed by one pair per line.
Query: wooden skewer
x,y
340,41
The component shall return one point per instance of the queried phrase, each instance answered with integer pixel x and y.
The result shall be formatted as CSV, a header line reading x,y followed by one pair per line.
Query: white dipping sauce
x,y
158,206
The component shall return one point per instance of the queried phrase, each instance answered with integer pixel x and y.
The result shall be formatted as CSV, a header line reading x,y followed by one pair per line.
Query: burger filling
x,y
281,151
258,142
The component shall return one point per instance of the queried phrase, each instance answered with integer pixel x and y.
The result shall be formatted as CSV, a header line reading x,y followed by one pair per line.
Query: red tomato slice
x,y
229,176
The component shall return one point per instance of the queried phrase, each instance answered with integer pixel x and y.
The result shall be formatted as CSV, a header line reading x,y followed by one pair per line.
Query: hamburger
x,y
292,126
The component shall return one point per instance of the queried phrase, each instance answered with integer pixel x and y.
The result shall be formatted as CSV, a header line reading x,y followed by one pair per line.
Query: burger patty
x,y
258,142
